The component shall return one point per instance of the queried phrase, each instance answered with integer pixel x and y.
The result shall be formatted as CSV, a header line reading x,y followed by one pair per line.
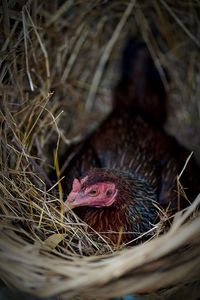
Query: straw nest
x,y
59,62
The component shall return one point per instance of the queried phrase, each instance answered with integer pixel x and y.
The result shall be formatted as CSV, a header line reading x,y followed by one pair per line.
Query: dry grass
x,y
59,62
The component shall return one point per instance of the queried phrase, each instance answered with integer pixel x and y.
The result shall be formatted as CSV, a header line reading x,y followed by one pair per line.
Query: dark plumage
x,y
131,150
132,213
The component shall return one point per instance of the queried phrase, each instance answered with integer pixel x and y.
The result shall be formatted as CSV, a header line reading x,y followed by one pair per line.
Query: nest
x,y
59,62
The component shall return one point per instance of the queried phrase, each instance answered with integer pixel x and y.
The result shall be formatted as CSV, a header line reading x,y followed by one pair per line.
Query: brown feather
x,y
133,141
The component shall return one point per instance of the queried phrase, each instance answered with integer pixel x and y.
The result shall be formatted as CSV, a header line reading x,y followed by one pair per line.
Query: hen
x,y
121,204
129,166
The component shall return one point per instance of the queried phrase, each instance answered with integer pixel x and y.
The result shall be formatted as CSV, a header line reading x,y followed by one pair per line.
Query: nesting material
x,y
59,62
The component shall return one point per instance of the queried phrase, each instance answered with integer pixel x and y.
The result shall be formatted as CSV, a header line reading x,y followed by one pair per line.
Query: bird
x,y
126,170
120,202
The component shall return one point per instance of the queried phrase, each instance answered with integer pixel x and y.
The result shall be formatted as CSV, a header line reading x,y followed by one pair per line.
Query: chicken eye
x,y
109,193
93,192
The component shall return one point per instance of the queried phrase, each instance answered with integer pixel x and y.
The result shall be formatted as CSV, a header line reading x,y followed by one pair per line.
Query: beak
x,y
71,202
69,205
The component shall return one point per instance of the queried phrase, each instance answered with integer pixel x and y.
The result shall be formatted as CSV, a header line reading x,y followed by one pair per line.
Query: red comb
x,y
76,186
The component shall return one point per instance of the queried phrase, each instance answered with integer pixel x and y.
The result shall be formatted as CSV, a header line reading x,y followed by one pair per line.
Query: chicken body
x,y
132,213
132,143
